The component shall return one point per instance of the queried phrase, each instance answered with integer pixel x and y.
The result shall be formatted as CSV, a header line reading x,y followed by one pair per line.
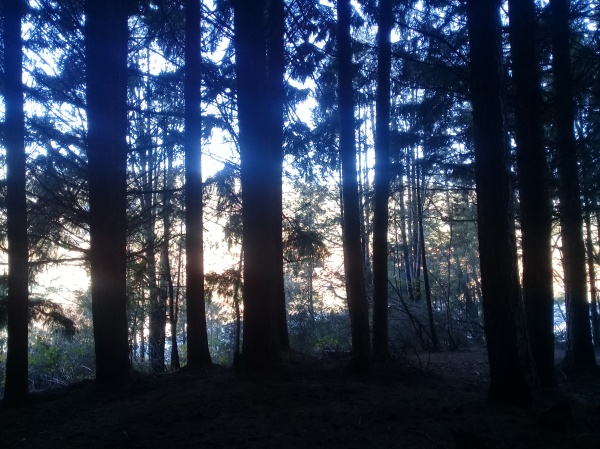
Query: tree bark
x,y
106,33
353,258
405,248
148,199
580,350
511,377
197,341
275,73
16,208
174,313
260,171
165,286
382,182
536,214
435,343
167,277
592,276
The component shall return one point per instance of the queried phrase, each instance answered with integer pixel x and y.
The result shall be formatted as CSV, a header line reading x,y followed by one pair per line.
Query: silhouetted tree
x,y
351,233
16,209
580,350
106,34
276,90
532,169
382,181
260,171
510,375
197,338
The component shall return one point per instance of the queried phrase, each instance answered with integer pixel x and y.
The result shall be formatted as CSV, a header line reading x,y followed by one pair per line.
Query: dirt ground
x,y
429,401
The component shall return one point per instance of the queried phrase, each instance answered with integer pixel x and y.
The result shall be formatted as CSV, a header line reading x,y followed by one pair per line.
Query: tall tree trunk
x,y
155,355
106,32
167,277
413,222
353,258
275,73
511,376
435,343
405,247
197,338
536,214
382,182
162,297
16,208
310,292
580,350
174,313
260,171
165,286
592,275
142,338
238,314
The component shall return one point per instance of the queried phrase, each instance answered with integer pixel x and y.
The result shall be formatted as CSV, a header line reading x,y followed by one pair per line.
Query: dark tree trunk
x,y
405,248
106,34
580,350
16,209
165,281
275,72
536,216
155,355
353,258
175,361
167,278
592,276
238,315
382,183
174,312
511,379
142,339
260,171
435,343
197,338
158,364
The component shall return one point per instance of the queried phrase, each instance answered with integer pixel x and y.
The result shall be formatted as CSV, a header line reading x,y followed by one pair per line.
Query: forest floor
x,y
433,401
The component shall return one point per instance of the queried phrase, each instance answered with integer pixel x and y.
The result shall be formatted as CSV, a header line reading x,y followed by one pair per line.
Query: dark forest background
x,y
229,181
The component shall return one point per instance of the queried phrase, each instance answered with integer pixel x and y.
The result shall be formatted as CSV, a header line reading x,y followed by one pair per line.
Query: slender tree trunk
x,y
155,356
435,343
536,214
592,276
511,376
459,275
16,208
405,247
165,280
106,33
161,309
382,183
238,315
310,293
260,171
166,276
142,338
414,223
353,258
175,360
580,350
174,313
197,341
